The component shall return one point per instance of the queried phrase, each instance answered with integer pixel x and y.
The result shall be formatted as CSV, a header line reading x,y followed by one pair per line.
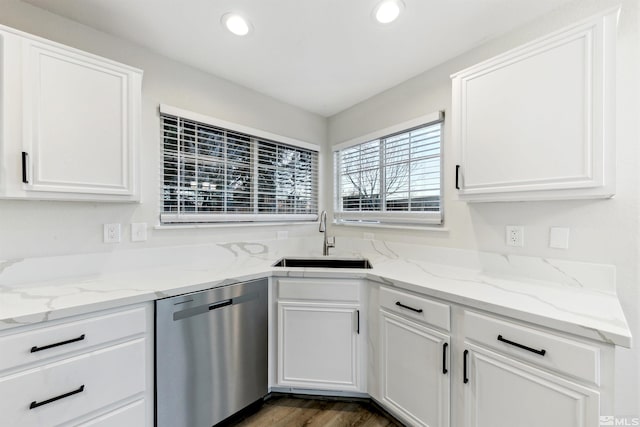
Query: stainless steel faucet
x,y
328,242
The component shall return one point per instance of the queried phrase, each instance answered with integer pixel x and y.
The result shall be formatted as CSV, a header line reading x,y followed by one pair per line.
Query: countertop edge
x,y
620,337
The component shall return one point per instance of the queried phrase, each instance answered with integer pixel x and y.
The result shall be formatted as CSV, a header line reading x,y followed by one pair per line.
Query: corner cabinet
x,y
320,335
70,122
538,122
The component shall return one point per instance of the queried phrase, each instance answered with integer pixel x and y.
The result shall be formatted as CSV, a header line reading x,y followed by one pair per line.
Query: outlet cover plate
x,y
112,233
514,235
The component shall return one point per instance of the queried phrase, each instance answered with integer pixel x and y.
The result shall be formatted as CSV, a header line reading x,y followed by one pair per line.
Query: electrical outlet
x,y
138,231
515,235
282,234
112,233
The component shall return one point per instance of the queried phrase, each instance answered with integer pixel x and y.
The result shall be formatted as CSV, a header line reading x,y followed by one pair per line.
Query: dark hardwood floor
x,y
285,411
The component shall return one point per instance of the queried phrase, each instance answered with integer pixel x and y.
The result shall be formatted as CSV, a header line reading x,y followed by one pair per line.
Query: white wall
x,y
34,228
602,231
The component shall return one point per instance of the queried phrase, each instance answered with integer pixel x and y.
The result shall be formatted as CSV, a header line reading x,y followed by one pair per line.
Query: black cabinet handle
x,y
45,347
25,156
417,310
35,404
444,357
220,304
358,322
524,347
465,378
457,177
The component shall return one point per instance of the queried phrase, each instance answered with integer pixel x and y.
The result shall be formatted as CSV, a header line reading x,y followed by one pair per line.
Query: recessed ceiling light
x,y
388,11
236,24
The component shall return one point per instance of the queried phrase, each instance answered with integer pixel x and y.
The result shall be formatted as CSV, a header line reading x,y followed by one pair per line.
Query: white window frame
x,y
171,218
389,218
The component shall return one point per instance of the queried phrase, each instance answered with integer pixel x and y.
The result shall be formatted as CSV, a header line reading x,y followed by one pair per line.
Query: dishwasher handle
x,y
209,307
220,304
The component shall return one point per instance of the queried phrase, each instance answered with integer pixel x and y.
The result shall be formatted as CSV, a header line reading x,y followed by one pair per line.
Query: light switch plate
x,y
559,237
138,231
282,235
368,236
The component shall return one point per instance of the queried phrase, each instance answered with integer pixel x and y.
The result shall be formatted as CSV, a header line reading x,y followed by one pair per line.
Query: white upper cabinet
x,y
538,122
71,122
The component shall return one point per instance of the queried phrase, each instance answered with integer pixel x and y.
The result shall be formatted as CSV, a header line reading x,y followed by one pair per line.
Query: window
x,y
393,178
213,173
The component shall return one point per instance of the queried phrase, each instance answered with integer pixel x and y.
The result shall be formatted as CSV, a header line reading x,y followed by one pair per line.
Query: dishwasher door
x,y
211,354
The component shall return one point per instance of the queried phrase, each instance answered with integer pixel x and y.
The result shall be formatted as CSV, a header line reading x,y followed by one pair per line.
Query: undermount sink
x,y
324,262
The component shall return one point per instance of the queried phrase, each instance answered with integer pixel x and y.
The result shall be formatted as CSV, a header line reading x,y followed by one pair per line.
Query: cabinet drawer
x,y
329,290
98,378
416,307
563,355
38,344
131,415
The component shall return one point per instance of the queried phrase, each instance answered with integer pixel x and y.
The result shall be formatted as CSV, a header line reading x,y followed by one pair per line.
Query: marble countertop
x,y
40,289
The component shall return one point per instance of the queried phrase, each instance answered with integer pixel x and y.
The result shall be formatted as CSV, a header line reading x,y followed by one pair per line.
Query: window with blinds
x,y
394,179
216,174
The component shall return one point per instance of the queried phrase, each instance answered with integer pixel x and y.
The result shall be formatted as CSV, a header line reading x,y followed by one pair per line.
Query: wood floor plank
x,y
300,412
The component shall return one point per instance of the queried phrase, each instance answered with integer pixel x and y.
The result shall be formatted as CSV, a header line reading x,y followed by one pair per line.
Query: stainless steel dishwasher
x,y
211,354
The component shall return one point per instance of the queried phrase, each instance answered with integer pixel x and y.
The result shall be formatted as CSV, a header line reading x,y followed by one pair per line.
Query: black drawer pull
x,y
524,347
417,310
35,404
45,347
457,177
358,320
220,304
465,378
444,358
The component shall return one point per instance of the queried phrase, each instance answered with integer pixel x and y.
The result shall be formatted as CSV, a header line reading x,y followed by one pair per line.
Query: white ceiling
x,y
320,55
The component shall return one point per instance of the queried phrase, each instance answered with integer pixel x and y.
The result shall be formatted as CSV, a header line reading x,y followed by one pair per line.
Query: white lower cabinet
x,y
93,370
415,371
431,363
319,346
319,335
518,375
502,392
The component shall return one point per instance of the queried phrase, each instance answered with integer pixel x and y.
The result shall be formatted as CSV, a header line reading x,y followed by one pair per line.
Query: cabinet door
x,y
80,121
538,122
415,371
318,346
502,392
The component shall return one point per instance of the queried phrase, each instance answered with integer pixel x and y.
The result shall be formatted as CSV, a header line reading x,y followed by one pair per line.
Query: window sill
x,y
428,228
186,226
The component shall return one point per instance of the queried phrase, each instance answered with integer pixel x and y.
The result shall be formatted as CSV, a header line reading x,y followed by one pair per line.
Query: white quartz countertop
x,y
40,289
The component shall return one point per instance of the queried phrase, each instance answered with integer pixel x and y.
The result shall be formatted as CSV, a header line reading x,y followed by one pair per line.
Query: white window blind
x,y
214,174
395,179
